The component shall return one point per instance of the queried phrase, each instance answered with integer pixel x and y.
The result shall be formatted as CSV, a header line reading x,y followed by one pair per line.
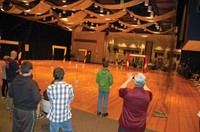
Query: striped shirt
x,y
60,95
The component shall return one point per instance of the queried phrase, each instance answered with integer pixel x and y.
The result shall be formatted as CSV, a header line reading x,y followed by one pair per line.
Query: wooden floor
x,y
172,94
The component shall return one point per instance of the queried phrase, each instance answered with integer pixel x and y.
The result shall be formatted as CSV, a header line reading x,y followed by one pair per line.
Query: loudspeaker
x,y
88,56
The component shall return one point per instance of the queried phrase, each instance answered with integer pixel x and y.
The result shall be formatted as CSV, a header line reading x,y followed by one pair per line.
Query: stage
x,y
172,94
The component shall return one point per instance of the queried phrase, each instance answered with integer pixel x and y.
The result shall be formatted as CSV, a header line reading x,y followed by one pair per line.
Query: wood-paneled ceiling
x,y
130,16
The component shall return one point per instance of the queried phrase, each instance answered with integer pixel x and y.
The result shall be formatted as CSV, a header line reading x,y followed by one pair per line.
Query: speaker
x,y
88,56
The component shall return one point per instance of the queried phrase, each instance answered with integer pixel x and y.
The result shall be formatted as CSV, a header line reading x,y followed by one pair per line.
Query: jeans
x,y
120,129
66,126
4,88
105,102
9,101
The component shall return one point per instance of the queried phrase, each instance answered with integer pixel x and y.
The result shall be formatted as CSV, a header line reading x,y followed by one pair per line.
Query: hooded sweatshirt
x,y
25,93
104,79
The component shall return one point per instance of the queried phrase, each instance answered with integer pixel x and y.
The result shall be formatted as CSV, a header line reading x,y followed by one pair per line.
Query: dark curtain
x,y
40,37
191,58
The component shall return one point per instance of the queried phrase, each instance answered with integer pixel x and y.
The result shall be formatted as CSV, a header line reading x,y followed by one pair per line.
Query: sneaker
x,y
98,113
104,114
3,97
40,116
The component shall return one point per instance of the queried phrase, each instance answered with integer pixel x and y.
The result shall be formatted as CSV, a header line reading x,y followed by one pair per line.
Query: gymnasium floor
x,y
172,94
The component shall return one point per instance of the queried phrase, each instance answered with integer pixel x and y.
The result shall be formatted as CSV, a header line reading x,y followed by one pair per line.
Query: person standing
x,y
4,88
135,104
12,70
25,93
105,80
60,95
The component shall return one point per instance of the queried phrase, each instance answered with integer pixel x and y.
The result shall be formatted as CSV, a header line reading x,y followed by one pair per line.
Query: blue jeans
x,y
9,101
66,126
105,102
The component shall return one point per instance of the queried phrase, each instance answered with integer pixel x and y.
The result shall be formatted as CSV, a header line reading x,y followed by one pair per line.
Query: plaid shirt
x,y
60,96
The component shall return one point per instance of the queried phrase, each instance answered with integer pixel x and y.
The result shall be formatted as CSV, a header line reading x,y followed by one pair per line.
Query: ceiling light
x,y
2,9
146,3
65,19
138,22
10,4
59,14
96,6
27,10
149,9
157,27
101,10
64,1
26,3
152,14
69,29
64,12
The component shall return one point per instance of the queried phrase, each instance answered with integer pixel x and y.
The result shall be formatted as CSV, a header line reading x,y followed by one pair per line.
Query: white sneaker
x,y
40,116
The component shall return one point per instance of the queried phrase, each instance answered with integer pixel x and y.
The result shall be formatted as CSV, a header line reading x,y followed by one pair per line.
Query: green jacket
x,y
104,79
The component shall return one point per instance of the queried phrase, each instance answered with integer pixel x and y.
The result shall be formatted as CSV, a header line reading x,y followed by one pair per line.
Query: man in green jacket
x,y
105,80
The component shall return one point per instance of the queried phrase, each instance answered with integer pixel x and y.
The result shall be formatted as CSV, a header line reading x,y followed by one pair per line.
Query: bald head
x,y
13,54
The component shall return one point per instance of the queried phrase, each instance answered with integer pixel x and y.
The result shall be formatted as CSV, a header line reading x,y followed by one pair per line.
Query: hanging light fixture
x,y
95,5
1,6
64,11
64,1
151,14
10,4
146,2
59,14
26,3
149,9
157,27
101,10
138,22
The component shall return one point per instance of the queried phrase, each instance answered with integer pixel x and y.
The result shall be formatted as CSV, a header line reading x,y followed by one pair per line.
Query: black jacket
x,y
25,93
12,68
